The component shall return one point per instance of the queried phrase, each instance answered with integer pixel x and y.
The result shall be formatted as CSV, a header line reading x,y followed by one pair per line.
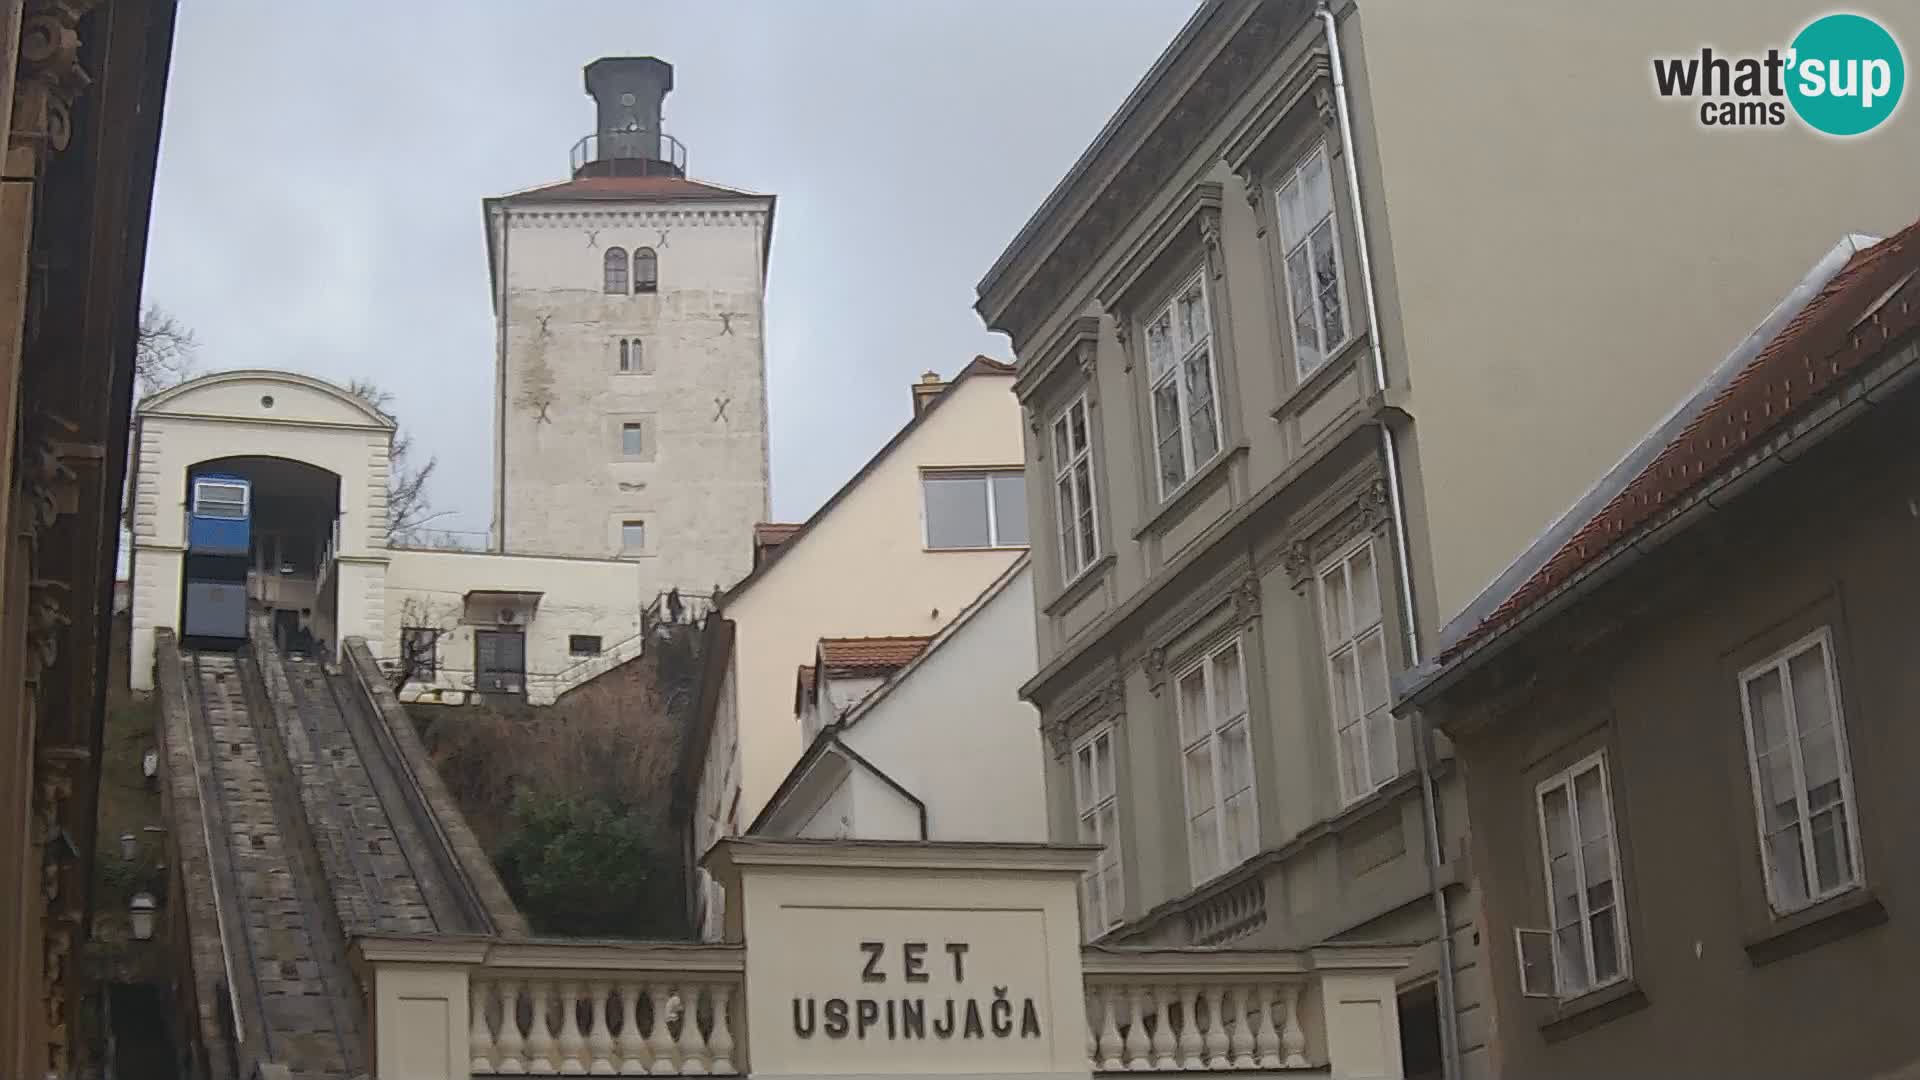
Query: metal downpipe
x,y
1396,495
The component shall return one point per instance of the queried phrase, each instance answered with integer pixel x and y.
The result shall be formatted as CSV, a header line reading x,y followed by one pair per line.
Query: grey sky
x,y
322,166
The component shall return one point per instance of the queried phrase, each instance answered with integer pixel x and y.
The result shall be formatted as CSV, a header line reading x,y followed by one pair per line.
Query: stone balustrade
x,y
553,1008
1211,1010
847,931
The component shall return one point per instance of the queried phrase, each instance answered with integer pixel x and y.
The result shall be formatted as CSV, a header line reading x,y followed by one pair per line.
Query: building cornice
x,y
738,852
1130,161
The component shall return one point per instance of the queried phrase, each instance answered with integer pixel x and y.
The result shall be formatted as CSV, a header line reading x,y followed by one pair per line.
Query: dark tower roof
x,y
628,140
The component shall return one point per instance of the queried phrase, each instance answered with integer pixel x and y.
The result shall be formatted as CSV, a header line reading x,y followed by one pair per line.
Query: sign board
x,y
878,959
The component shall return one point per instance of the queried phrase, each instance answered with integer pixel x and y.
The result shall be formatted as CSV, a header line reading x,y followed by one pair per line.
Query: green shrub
x,y
584,866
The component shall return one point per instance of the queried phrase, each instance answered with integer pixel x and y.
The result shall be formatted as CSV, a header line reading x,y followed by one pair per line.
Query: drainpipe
x,y
1396,498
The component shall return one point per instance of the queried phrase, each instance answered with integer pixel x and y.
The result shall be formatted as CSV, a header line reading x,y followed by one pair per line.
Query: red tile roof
x,y
869,655
1874,299
628,187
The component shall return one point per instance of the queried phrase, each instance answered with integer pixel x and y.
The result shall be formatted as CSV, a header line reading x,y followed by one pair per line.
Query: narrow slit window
x,y
632,443
630,356
633,536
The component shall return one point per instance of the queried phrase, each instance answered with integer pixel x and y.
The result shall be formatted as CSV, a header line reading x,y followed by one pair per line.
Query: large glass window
x,y
1583,878
1097,803
219,499
1216,763
1181,374
1357,680
1802,775
1073,498
975,509
1315,298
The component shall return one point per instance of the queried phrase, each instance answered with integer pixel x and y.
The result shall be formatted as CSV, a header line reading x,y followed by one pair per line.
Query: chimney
x,y
924,391
627,92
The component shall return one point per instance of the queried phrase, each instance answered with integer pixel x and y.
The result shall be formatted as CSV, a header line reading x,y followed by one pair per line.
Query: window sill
x,y
1342,362
1182,497
965,550
1811,927
1082,584
1592,1009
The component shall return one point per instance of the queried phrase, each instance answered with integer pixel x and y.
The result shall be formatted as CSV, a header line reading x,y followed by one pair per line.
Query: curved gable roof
x,y
230,394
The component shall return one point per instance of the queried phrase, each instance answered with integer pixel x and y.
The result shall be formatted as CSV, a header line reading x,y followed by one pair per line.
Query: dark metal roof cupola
x,y
627,93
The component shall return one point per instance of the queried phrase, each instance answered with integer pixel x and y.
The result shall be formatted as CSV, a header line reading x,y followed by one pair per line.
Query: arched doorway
x,y
290,567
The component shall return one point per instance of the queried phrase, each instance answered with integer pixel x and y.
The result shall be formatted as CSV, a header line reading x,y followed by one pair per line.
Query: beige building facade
x,y
900,550
1313,340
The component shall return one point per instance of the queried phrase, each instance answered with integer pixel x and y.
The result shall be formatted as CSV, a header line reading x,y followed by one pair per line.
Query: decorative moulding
x,y
1073,349
1195,213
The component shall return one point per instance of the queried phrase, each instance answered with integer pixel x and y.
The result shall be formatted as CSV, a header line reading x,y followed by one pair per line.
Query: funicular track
x,y
295,971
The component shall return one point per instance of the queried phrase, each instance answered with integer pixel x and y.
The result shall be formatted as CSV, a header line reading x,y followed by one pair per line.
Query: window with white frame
x,y
1097,803
1180,372
986,509
1582,863
1216,762
1311,262
1073,499
1802,775
1357,680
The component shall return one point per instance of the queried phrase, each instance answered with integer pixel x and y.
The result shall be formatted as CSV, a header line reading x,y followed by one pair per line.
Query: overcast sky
x,y
322,166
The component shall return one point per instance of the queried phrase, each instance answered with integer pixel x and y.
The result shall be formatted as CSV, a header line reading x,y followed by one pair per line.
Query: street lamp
x,y
140,912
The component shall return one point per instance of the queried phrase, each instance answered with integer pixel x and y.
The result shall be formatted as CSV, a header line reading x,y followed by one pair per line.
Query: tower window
x,y
633,537
646,271
615,269
630,356
630,442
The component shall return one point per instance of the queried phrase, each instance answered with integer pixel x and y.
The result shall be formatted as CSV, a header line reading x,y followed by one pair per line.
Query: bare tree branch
x,y
407,504
163,352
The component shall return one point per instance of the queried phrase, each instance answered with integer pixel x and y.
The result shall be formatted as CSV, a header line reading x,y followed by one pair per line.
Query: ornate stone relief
x,y
1210,240
1154,664
1108,703
1298,562
1246,600
1325,105
49,76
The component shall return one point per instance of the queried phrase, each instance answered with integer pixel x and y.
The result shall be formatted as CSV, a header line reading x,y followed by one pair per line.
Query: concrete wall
x,y
1719,984
578,596
862,570
266,414
955,718
1567,254
700,482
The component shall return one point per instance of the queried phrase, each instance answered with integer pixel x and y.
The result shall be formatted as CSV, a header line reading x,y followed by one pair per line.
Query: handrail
x,y
669,158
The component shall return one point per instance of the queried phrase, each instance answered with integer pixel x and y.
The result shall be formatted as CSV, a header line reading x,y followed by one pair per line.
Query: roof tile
x,y
869,655
1872,300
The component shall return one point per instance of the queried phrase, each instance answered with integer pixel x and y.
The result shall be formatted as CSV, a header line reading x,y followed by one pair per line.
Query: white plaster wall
x,y
955,733
864,570
717,802
578,596
701,481
225,415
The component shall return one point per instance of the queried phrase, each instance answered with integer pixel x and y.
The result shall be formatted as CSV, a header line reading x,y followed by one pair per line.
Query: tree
x,y
588,866
407,505
162,353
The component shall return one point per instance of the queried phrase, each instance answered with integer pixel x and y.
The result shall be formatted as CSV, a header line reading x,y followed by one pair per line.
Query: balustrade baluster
x,y
658,1039
599,1038
1190,1042
1217,1028
1093,1030
1109,1032
1293,1041
693,1048
510,1044
633,1045
1163,1044
573,1048
539,1035
721,1041
479,1035
1242,1033
1266,1041
1138,1049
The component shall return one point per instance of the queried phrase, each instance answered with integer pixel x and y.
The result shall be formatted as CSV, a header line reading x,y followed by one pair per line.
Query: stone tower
x,y
630,416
